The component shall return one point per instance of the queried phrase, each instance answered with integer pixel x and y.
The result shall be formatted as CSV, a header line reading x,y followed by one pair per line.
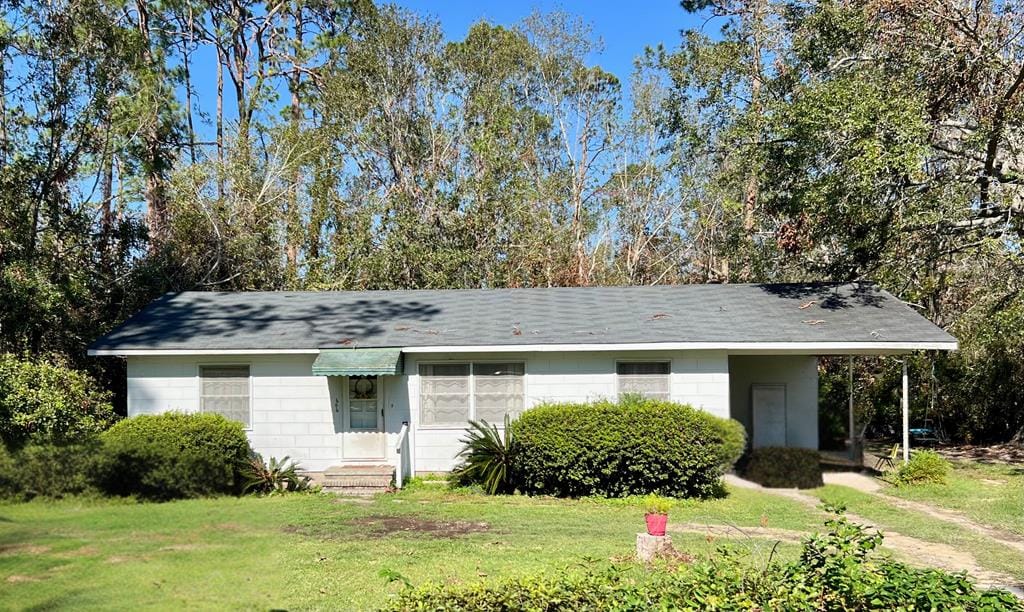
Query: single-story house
x,y
391,378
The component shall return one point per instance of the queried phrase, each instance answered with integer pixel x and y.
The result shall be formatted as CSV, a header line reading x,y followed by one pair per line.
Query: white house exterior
x,y
392,378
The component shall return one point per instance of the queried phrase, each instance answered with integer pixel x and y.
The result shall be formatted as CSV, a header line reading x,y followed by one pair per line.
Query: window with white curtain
x,y
225,391
649,379
451,394
497,390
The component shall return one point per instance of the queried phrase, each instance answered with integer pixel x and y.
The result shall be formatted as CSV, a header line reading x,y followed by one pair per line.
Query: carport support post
x,y
853,433
906,414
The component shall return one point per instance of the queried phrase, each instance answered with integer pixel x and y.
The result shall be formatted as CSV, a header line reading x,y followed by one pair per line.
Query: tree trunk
x,y
220,124
153,162
292,222
752,188
186,59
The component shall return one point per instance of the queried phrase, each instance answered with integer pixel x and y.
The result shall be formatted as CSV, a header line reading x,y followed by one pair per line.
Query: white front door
x,y
768,403
363,436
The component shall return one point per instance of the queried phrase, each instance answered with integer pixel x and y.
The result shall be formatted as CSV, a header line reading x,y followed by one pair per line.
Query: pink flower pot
x,y
656,524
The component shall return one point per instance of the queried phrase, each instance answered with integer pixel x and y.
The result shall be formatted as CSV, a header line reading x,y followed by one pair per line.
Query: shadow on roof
x,y
174,318
829,296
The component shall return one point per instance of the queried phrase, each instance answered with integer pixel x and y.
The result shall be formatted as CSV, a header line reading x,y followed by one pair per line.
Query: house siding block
x,y
297,414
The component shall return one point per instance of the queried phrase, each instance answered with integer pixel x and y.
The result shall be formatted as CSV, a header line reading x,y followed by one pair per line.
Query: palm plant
x,y
487,457
277,476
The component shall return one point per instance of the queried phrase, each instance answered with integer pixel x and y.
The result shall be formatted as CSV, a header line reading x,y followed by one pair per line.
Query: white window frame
x,y
618,377
472,391
199,388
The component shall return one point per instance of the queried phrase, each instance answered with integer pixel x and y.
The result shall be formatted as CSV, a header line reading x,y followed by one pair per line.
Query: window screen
x,y
225,391
497,390
647,378
444,394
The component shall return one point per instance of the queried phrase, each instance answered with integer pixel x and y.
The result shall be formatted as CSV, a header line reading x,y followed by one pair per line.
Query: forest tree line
x,y
148,147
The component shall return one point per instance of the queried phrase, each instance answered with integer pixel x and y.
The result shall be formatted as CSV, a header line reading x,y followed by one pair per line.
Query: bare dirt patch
x,y
732,532
996,453
382,526
11,550
85,551
15,579
182,547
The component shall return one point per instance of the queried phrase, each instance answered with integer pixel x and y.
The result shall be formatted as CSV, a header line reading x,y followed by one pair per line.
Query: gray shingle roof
x,y
475,317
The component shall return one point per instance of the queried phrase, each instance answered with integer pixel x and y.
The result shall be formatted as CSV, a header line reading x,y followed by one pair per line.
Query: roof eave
x,y
738,348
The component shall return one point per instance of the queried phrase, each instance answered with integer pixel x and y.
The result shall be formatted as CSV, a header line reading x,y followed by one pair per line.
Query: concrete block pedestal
x,y
649,548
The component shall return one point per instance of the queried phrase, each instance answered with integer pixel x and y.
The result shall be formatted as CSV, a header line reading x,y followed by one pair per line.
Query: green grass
x,y
988,553
990,494
311,551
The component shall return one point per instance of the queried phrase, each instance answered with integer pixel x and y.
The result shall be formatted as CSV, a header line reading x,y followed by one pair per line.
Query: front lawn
x,y
313,551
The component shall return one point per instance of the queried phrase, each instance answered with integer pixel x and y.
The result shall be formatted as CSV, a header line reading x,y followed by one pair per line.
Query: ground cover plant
x,y
924,467
839,570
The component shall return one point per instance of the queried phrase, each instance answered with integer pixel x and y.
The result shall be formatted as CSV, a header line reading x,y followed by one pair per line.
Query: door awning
x,y
358,362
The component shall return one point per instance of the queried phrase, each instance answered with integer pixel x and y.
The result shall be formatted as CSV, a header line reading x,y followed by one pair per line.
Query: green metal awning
x,y
358,362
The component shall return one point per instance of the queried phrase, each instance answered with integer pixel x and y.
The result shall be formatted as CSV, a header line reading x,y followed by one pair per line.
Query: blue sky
x,y
625,30
625,27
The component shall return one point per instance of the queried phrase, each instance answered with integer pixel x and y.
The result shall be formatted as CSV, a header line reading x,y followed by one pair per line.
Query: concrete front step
x,y
359,469
357,479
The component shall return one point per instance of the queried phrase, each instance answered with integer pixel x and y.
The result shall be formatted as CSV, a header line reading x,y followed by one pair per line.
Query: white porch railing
x,y
402,451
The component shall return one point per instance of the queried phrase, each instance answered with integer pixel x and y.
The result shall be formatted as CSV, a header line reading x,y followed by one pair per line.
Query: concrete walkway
x,y
914,551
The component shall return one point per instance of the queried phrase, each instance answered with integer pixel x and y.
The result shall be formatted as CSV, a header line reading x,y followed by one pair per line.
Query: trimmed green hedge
x,y
49,470
173,455
785,468
615,449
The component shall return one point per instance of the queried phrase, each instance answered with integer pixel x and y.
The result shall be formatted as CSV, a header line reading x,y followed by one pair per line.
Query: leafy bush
x,y
836,571
924,467
173,455
487,458
273,477
44,402
48,470
615,449
784,467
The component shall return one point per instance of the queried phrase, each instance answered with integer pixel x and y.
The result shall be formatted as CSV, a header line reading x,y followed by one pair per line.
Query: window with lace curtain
x,y
649,379
451,394
225,391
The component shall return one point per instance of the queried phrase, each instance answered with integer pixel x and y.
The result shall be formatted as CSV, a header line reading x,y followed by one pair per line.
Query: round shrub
x,y
173,455
785,468
44,402
615,449
924,467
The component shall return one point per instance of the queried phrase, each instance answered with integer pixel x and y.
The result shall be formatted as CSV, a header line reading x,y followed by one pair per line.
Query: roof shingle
x,y
731,314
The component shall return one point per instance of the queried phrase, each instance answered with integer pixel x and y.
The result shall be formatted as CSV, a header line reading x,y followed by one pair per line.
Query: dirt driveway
x,y
910,549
